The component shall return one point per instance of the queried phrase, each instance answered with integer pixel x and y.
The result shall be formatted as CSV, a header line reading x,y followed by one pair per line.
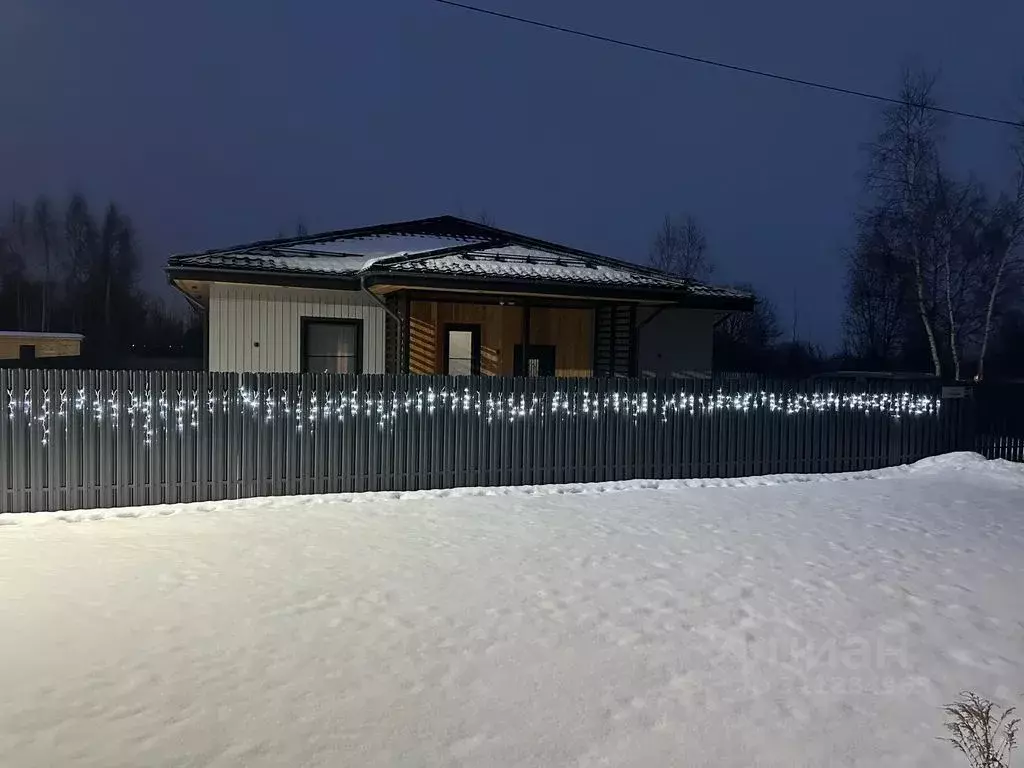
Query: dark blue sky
x,y
217,122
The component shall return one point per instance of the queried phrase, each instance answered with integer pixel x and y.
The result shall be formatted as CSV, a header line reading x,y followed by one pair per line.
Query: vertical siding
x,y
242,316
676,341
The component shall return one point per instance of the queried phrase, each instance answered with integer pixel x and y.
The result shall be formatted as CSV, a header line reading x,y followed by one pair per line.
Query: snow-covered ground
x,y
776,621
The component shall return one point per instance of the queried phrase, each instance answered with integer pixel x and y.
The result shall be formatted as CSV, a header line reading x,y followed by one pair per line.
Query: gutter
x,y
380,302
727,314
203,313
195,305
471,283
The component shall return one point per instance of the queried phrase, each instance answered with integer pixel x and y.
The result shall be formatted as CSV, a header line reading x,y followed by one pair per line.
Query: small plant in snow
x,y
984,735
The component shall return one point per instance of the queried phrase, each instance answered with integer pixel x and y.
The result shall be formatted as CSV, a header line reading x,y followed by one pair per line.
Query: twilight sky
x,y
213,123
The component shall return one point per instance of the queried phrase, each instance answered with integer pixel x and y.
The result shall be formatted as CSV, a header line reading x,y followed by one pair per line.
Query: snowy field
x,y
787,621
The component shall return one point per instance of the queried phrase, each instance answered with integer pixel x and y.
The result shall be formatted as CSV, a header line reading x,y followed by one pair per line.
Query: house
x,y
446,296
26,346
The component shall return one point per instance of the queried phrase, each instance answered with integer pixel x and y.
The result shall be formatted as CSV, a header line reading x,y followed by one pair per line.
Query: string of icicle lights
x,y
151,410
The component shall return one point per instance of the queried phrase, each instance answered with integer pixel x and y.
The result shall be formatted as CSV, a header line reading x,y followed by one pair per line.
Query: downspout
x,y
379,302
193,303
400,352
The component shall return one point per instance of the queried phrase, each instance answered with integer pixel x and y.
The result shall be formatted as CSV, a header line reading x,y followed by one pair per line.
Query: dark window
x,y
540,360
332,346
462,350
27,352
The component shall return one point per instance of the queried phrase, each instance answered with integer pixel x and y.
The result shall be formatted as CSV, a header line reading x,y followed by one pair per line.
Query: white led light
x,y
153,408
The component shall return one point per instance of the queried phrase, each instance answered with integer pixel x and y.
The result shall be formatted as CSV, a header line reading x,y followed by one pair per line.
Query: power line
x,y
723,65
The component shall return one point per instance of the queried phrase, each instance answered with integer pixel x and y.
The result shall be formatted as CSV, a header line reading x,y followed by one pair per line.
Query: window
x,y
540,360
462,350
331,346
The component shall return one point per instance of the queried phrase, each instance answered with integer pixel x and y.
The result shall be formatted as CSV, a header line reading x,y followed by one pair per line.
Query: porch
x,y
445,335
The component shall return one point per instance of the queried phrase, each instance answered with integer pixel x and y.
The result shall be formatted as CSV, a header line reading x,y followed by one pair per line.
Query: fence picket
x,y
81,439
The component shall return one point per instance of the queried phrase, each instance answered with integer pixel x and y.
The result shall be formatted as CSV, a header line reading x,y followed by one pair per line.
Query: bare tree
x,y
1006,243
877,297
959,210
680,247
107,255
44,228
18,241
12,279
80,239
902,173
934,258
745,341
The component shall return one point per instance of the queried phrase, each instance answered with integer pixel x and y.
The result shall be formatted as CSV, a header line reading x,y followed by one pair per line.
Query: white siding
x,y
256,328
676,341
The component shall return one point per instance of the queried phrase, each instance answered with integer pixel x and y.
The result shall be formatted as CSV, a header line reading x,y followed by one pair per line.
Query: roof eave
x,y
633,293
293,278
302,279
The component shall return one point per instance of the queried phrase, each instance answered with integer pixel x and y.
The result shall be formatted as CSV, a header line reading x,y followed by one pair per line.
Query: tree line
x,y
934,280
935,277
65,269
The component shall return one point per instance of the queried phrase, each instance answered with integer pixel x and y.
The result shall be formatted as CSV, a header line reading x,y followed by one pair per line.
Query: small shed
x,y
32,345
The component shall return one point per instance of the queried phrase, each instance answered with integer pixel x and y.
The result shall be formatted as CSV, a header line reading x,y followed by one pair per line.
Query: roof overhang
x,y
590,292
390,281
43,335
183,275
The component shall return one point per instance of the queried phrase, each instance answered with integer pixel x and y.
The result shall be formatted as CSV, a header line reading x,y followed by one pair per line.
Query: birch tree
x,y
959,210
1006,244
902,173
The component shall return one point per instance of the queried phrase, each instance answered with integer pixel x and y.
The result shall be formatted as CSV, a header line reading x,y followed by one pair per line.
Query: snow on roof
x,y
380,245
445,246
338,256
41,335
277,261
534,264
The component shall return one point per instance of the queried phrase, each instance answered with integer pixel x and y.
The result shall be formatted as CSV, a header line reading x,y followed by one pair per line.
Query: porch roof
x,y
444,250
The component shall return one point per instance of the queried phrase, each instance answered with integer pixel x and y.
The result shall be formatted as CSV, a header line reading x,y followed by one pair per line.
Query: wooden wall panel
x,y
571,331
424,353
500,331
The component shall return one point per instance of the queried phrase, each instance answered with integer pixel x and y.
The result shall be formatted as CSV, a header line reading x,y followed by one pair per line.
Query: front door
x,y
462,349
